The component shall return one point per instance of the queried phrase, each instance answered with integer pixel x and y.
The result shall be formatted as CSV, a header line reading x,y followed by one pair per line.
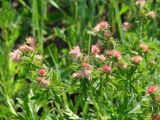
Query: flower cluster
x,y
26,53
86,69
29,46
41,78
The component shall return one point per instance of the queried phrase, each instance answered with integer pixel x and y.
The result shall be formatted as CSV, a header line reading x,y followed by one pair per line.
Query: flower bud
x,y
152,89
42,72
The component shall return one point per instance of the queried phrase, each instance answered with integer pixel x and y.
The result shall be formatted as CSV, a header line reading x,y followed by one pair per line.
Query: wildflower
x,y
122,65
26,48
155,116
136,59
141,3
82,74
95,49
97,28
104,25
101,57
106,68
31,42
101,26
42,72
75,52
151,14
15,55
152,89
44,83
114,53
86,65
144,47
125,26
40,79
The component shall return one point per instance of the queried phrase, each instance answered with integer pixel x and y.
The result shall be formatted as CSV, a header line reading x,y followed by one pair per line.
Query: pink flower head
x,y
101,57
155,116
144,47
75,52
125,26
42,72
82,74
101,26
86,65
114,53
141,3
136,59
15,55
26,48
95,49
39,79
106,68
151,14
152,89
104,25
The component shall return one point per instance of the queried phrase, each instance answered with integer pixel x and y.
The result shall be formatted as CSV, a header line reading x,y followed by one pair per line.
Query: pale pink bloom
x,y
42,72
144,47
107,68
114,53
75,52
44,83
97,28
152,89
82,74
136,59
31,41
95,49
26,48
86,65
141,3
151,14
100,57
125,26
101,26
15,55
104,25
39,79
